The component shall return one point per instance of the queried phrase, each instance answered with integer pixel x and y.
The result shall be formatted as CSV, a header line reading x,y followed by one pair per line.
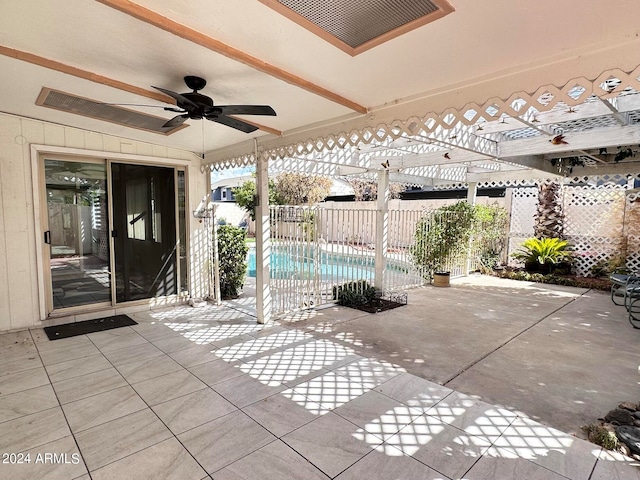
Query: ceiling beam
x,y
109,82
595,138
616,114
182,31
505,176
84,74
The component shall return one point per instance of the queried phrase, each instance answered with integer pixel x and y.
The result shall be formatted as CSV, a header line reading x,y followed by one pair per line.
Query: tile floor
x,y
209,394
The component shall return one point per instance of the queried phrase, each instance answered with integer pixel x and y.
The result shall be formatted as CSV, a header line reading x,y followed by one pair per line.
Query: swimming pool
x,y
301,263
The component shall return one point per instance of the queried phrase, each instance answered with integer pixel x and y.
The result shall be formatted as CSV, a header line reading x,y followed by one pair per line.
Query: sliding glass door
x,y
76,206
144,231
133,253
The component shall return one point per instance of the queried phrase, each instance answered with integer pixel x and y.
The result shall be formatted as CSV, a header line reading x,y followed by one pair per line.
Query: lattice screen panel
x,y
456,127
601,220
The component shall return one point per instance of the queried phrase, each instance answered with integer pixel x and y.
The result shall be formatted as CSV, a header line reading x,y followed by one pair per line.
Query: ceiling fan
x,y
196,106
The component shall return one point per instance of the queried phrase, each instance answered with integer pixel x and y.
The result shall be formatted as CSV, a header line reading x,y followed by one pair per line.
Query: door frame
x,y
43,268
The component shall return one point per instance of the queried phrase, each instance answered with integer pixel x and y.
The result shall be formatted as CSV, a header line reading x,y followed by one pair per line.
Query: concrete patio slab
x,y
335,392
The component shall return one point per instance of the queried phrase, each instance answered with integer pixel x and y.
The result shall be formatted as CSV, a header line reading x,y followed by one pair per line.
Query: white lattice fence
x,y
601,221
632,230
523,207
593,220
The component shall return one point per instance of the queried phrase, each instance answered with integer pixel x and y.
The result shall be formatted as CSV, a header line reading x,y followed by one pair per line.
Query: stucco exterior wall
x,y
19,289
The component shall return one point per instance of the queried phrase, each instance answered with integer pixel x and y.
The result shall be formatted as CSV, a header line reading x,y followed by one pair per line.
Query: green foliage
x,y
232,253
442,234
354,294
580,282
604,268
489,234
299,188
246,196
601,435
543,254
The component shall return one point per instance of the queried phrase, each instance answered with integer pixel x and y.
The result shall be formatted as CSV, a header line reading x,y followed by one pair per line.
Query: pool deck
x,y
488,379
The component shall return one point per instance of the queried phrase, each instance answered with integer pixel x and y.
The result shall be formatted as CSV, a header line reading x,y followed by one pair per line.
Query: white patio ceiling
x,y
114,50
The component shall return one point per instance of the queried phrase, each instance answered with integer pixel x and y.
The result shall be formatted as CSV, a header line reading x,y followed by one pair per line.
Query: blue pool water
x,y
296,262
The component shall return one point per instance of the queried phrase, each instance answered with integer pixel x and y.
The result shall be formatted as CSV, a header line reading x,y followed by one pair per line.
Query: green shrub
x,y
442,234
232,254
544,255
354,294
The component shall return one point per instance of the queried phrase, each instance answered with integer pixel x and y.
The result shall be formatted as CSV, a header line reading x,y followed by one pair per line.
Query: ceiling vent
x,y
355,26
67,102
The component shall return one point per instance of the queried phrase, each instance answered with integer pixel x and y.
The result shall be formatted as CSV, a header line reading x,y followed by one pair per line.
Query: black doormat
x,y
88,326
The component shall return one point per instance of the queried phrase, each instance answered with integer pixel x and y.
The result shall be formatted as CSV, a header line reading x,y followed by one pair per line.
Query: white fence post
x,y
382,228
263,241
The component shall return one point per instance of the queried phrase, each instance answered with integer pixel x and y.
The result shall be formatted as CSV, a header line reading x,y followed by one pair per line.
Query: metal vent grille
x,y
356,23
67,102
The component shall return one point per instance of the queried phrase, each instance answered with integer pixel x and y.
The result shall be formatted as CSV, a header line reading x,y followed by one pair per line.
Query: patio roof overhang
x,y
500,141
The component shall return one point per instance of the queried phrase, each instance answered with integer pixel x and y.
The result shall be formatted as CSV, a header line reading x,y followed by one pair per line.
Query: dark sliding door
x,y
144,231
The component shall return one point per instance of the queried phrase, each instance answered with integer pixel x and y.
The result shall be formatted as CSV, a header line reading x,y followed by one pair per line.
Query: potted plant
x,y
440,236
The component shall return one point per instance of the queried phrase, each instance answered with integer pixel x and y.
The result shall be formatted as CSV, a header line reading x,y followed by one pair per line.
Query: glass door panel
x,y
144,231
76,196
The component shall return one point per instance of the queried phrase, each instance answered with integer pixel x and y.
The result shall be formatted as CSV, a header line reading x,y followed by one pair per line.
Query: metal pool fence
x,y
317,249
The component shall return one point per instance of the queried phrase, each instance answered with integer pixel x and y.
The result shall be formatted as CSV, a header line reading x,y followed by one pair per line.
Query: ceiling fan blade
x,y
234,123
246,109
183,102
175,121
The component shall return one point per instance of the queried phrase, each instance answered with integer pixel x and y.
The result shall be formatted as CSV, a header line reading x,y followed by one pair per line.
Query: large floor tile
x,y
78,367
63,353
413,391
194,355
18,348
274,461
88,385
148,368
392,465
223,441
44,344
473,416
328,390
245,390
33,430
102,408
14,362
564,454
283,368
369,373
116,339
262,345
13,338
167,387
377,414
438,445
492,468
137,353
280,415
171,344
613,466
166,460
26,402
68,463
24,380
329,443
191,410
119,438
215,372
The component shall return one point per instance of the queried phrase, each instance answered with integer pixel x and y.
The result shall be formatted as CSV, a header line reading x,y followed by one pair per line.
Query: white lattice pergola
x,y
499,142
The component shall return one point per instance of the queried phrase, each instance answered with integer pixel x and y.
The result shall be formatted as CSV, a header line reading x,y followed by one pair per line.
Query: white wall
x,y
19,291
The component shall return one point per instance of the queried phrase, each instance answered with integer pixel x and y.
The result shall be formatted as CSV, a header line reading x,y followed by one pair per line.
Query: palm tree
x,y
549,217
